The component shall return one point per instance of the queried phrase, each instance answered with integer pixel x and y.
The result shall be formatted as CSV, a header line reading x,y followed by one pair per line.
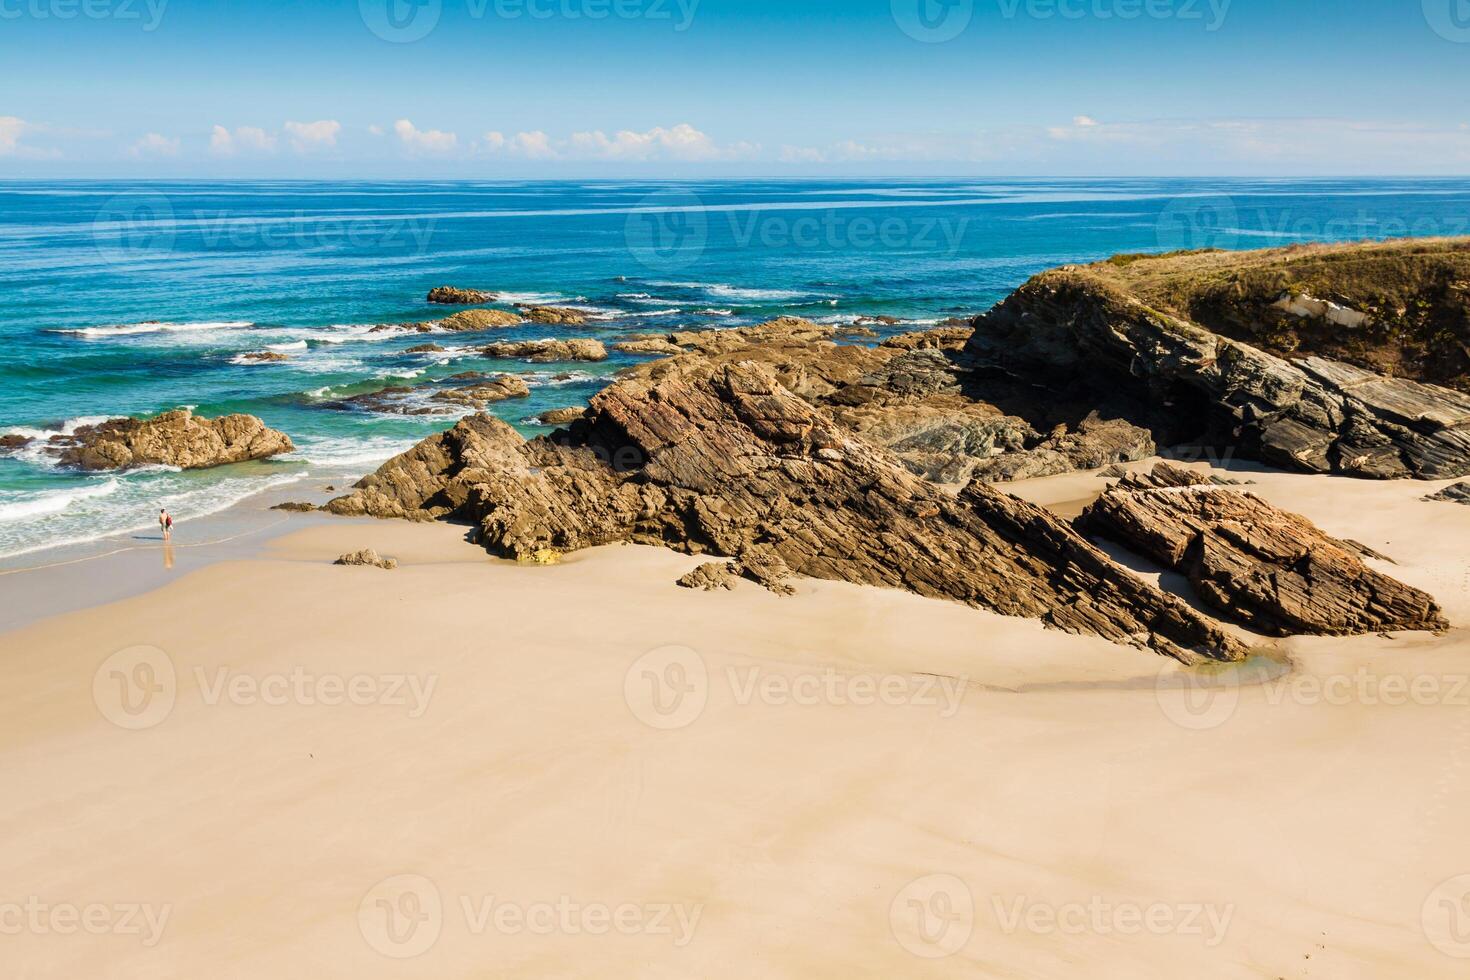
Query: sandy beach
x,y
465,768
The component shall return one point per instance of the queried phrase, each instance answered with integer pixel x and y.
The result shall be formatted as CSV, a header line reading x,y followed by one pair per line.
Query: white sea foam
x,y
350,451
283,348
128,329
54,501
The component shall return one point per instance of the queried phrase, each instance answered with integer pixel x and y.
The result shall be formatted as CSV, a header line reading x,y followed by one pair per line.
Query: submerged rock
x,y
724,460
474,391
425,349
263,357
546,351
178,438
1272,569
12,442
454,296
369,558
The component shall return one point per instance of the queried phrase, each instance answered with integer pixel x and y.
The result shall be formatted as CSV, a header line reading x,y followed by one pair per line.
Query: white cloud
x,y
10,130
247,139
681,143
375,130
313,135
425,140
155,145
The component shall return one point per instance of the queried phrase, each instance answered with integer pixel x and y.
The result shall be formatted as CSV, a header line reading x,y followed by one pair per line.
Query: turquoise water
x,y
127,298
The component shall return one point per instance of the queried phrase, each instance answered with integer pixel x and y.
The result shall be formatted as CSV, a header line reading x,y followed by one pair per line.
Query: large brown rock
x,y
726,461
454,296
470,392
177,438
474,320
1274,570
547,351
556,315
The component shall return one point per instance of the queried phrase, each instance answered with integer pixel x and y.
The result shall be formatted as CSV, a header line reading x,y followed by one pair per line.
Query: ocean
x,y
134,298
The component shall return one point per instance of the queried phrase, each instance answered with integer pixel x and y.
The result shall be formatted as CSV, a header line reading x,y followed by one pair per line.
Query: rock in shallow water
x,y
177,438
454,296
1272,569
547,351
725,461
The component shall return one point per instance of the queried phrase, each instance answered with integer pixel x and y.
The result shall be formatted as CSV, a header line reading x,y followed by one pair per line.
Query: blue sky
x,y
579,88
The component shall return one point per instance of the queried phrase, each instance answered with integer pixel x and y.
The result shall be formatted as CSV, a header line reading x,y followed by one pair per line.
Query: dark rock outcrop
x,y
425,349
177,438
263,357
1457,494
547,351
761,567
471,392
12,442
1273,570
1082,328
454,296
295,507
724,460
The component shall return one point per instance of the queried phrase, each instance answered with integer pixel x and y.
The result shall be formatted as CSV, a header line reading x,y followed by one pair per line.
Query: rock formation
x,y
467,392
12,442
454,296
425,349
546,351
1273,570
177,438
474,320
368,558
724,460
560,416
555,315
263,357
1457,494
1092,328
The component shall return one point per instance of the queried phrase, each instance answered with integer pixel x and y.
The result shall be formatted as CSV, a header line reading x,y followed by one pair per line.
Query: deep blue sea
x,y
134,298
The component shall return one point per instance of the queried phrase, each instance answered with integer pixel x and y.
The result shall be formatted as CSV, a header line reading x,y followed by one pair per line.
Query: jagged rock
x,y
404,328
560,416
12,442
556,315
425,349
711,576
648,346
1273,570
942,338
474,391
854,330
1115,472
178,438
724,460
454,296
263,357
369,558
1457,494
1086,327
473,320
295,507
545,351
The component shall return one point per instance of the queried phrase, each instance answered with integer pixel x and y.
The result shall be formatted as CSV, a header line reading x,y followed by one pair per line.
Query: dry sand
x,y
583,770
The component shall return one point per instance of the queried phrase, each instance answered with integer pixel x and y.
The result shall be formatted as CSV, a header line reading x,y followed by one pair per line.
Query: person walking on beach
x,y
166,522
